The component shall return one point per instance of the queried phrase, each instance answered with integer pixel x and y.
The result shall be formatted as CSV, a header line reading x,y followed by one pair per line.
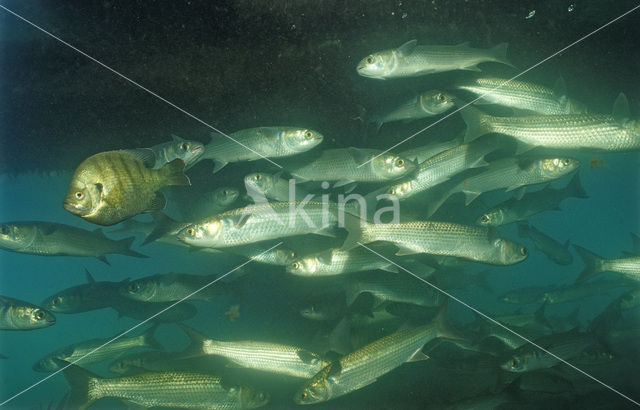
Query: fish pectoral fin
x,y
418,356
342,182
403,250
218,165
407,48
48,229
241,220
145,155
470,196
390,268
325,257
471,68
157,203
335,371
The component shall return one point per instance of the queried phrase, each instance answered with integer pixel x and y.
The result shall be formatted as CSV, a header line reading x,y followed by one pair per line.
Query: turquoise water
x,y
112,114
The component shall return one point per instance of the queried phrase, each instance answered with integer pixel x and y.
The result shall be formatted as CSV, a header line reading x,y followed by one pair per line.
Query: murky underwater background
x,y
238,65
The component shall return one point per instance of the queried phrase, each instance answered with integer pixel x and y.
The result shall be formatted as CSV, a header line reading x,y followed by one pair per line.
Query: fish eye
x,y
484,218
57,300
261,396
303,395
400,162
523,251
39,315
308,135
258,177
226,192
185,146
79,195
441,97
369,60
5,229
190,231
133,287
295,265
566,162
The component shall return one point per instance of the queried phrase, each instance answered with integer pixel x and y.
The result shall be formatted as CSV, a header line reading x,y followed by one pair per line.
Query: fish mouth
x,y
75,209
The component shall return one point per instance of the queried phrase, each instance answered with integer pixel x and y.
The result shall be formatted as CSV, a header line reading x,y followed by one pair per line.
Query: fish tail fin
x,y
339,338
173,173
356,231
441,321
149,339
476,121
125,249
499,54
196,342
592,264
80,381
163,225
574,188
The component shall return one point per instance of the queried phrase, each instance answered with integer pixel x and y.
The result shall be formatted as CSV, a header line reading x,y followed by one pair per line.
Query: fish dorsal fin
x,y
325,257
240,220
407,48
526,163
359,156
98,231
176,138
621,108
90,278
559,88
636,243
145,155
492,234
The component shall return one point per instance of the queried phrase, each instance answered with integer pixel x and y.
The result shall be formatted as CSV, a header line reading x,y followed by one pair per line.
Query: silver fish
x,y
391,288
184,390
95,351
365,365
439,238
188,151
594,264
596,132
427,104
410,60
269,142
347,165
424,152
531,203
171,287
264,356
19,315
262,185
255,223
522,95
53,239
440,168
336,262
210,203
83,298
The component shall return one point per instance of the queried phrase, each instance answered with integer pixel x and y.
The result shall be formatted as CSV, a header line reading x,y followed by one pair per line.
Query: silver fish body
x,y
261,185
424,152
188,151
391,288
336,262
594,132
210,203
19,315
531,203
427,104
347,165
440,168
522,95
184,390
255,223
82,298
54,239
410,60
95,351
262,142
439,238
628,267
365,365
172,287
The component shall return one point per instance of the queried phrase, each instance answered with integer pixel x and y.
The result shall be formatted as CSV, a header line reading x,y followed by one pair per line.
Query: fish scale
x,y
572,131
338,164
167,389
340,262
271,357
519,94
264,222
363,366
